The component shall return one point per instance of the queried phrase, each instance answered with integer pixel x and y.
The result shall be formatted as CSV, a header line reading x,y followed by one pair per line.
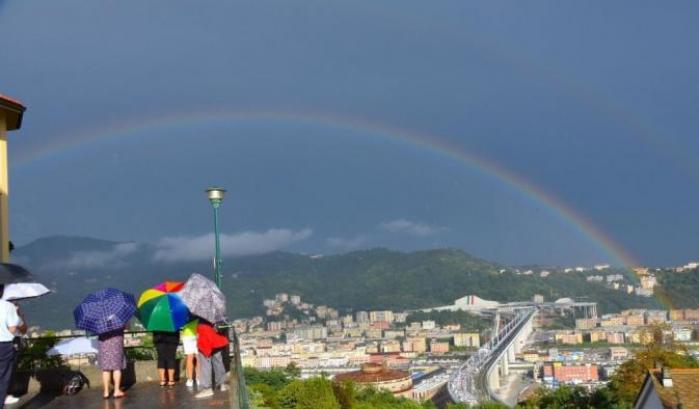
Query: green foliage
x,y
33,354
678,290
484,405
628,379
275,378
314,393
292,370
256,399
369,398
381,278
275,389
140,354
468,321
574,397
371,279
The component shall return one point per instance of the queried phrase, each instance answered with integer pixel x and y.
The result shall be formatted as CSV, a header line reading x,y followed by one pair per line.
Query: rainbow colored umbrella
x,y
161,309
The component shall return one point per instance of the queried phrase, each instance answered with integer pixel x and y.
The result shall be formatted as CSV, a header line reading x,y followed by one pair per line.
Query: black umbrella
x,y
13,273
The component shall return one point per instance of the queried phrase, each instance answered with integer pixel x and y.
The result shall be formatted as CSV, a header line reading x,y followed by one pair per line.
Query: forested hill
x,y
382,278
370,279
678,289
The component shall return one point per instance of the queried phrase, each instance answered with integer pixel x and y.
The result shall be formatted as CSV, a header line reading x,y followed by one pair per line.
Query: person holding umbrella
x,y
166,346
206,301
106,313
161,310
11,325
14,292
112,361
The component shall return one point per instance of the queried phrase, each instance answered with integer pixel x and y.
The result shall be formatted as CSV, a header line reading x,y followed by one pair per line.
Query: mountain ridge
x,y
374,278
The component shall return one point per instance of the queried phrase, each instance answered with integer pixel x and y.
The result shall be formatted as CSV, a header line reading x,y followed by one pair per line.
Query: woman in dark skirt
x,y
166,345
112,361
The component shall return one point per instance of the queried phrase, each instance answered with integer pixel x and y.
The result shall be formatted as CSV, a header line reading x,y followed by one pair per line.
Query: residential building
x,y
569,337
684,315
390,346
639,336
439,347
669,389
428,325
11,114
618,353
616,337
656,317
393,333
361,316
381,377
381,316
415,344
648,281
585,323
310,332
467,339
570,373
634,320
611,320
400,317
683,334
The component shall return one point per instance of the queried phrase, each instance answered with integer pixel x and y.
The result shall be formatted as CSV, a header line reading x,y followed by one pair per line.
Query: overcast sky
x,y
594,103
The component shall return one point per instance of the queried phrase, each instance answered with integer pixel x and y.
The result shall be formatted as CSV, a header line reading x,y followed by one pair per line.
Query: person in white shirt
x,y
11,325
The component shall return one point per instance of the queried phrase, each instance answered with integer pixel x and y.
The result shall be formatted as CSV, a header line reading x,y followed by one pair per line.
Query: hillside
x,y
678,289
369,279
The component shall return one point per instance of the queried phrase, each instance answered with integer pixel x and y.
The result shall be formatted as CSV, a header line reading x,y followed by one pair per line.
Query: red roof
x,y
12,101
13,111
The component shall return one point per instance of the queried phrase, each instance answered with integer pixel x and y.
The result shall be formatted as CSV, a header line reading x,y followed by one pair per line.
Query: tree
x,y
660,351
292,370
314,393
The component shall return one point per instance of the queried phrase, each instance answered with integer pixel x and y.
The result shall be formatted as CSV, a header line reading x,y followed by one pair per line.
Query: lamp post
x,y
215,195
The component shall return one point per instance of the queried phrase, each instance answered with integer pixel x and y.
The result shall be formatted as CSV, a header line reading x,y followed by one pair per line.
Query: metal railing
x,y
238,397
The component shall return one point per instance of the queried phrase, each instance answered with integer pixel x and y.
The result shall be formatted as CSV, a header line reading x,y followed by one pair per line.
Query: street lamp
x,y
215,195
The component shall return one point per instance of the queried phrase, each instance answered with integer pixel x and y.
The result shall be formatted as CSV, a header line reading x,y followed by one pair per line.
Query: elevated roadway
x,y
478,378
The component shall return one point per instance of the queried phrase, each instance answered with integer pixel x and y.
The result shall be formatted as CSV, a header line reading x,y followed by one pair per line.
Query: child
x,y
189,344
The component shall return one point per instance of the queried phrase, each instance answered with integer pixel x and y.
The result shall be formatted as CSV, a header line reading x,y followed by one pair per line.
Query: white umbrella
x,y
75,346
19,291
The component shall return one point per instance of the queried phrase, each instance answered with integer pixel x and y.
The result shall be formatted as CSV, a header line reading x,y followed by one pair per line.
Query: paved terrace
x,y
141,395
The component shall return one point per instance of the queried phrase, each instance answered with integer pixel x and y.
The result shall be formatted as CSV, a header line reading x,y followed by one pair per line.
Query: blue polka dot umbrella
x,y
105,311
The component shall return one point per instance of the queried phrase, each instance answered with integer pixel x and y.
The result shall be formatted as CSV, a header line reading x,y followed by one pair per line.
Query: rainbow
x,y
430,142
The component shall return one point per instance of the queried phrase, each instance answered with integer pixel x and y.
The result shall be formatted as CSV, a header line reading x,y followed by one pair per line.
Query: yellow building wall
x,y
4,191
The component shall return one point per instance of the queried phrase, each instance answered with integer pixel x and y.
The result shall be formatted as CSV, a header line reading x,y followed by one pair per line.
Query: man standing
x,y
11,325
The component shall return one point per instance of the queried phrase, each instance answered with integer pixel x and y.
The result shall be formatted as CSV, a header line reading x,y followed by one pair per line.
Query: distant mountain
x,y
368,279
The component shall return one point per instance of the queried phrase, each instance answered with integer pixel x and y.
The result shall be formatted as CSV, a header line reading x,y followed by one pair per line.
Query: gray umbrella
x,y
204,299
13,273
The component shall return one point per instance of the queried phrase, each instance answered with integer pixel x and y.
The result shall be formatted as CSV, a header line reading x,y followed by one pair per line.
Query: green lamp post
x,y
215,195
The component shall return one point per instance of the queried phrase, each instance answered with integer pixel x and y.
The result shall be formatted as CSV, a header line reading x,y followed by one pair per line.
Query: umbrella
x,y
104,311
161,308
75,346
19,291
204,298
13,273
